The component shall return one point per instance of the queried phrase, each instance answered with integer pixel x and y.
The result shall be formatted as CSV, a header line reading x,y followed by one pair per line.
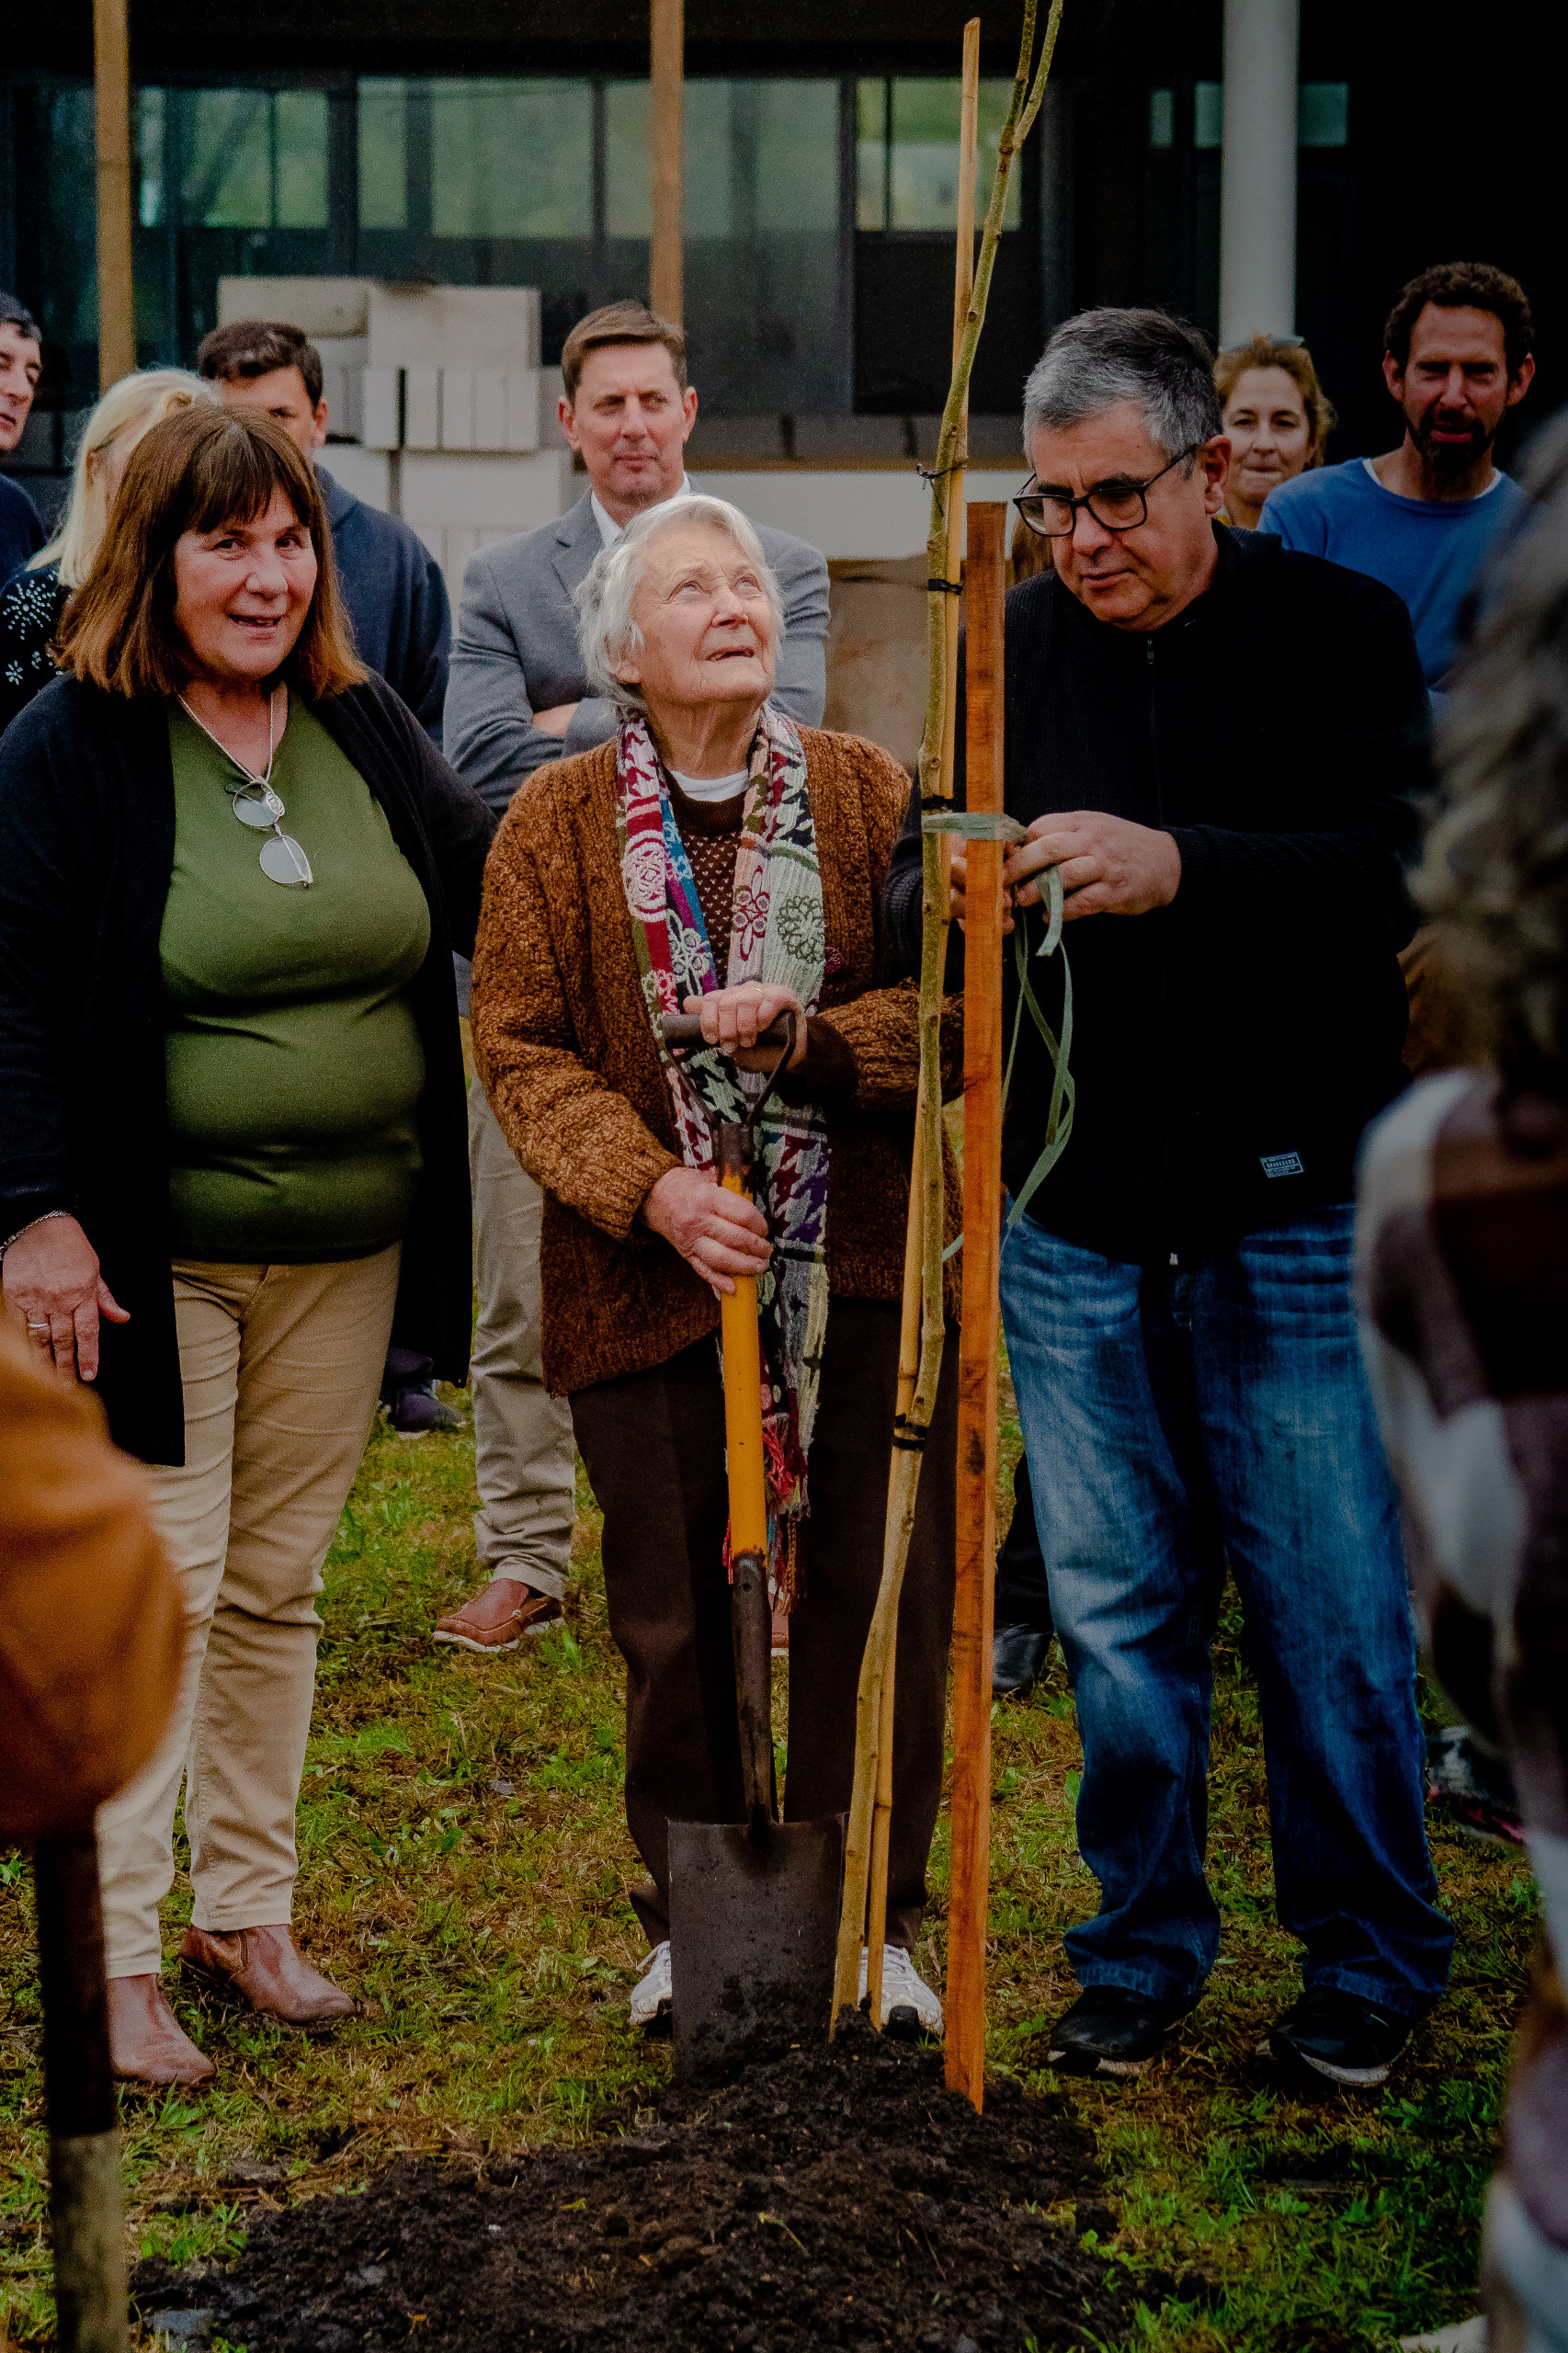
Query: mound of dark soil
x,y
841,2197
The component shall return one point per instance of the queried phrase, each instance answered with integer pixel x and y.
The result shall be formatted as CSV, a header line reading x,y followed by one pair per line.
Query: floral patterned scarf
x,y
777,936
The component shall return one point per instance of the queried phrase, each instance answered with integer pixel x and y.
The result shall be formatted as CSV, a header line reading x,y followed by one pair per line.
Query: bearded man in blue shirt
x,y
1457,358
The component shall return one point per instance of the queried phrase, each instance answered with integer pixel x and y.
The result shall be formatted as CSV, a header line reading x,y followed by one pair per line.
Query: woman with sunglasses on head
x,y
233,1140
1277,417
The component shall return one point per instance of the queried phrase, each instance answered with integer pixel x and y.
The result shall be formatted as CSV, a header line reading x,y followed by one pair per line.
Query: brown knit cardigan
x,y
565,1052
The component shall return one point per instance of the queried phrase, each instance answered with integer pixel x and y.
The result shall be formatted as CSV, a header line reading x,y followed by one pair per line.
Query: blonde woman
x,y
1277,417
33,602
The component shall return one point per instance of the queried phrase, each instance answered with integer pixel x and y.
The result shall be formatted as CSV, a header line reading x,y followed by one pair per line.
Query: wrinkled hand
x,y
720,1235
51,1277
556,719
1109,866
732,1019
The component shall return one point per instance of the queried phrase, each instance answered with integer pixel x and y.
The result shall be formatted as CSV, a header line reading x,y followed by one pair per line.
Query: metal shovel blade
x,y
753,1926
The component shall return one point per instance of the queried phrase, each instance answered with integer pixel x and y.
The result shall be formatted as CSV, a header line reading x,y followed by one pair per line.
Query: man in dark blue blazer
x,y
392,584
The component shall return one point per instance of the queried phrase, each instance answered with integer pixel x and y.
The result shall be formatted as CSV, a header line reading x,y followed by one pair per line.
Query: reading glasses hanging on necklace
x,y
282,859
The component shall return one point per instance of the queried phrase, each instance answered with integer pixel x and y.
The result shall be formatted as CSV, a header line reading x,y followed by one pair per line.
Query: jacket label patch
x,y
1281,1164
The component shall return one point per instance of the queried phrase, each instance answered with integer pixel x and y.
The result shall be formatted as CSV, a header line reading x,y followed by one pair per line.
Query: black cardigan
x,y
1230,1047
86,851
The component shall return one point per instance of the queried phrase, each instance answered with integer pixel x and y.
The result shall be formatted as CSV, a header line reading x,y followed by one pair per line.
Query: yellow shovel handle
x,y
742,1409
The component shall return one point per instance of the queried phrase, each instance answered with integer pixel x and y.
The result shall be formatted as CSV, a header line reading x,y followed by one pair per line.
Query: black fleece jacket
x,y
87,852
1228,1048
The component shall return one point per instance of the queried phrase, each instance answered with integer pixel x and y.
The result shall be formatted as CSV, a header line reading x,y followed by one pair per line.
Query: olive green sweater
x,y
294,1062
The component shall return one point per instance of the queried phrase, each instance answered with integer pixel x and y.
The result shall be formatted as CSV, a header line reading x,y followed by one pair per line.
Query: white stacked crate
x,y
437,407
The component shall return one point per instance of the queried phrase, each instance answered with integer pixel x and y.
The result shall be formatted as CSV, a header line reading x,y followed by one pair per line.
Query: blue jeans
x,y
1166,1410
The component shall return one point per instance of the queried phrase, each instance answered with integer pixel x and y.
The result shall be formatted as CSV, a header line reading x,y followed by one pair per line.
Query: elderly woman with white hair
x,y
33,602
716,857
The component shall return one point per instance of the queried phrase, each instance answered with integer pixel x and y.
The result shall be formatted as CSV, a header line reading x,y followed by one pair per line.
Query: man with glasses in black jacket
x,y
1216,742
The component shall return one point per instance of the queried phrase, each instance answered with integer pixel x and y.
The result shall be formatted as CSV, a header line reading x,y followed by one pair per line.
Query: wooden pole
x,y
985,588
667,132
85,2206
116,312
909,1346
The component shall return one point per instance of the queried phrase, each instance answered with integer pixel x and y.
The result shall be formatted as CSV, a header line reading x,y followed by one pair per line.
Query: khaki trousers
x,y
524,1461
281,1365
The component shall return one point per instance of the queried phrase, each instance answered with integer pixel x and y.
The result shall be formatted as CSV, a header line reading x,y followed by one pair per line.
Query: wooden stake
x,y
667,135
116,312
85,2208
985,586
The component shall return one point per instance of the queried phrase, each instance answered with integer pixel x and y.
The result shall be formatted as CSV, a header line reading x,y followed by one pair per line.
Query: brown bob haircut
x,y
1263,351
619,322
196,472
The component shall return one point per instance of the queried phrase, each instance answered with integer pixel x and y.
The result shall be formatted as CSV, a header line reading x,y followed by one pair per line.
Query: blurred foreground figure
x,y
1463,1250
90,1634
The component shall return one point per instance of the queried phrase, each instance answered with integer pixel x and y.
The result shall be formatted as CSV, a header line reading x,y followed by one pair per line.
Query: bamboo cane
x,y
926,1194
909,1334
985,589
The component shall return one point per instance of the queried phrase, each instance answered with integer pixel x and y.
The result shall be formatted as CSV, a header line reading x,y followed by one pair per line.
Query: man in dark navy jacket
x,y
1216,742
392,584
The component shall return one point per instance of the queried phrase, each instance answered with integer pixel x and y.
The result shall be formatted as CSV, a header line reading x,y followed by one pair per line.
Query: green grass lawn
x,y
463,1863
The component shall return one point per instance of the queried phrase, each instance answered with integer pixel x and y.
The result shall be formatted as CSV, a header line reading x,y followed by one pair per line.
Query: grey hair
x,y
1103,356
1494,874
607,633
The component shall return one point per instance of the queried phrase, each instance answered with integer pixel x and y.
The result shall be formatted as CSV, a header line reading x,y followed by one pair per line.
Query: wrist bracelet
x,y
42,1219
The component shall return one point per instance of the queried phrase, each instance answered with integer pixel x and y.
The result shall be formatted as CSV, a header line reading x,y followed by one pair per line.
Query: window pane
x,y
1207,114
1322,114
511,159
629,198
871,157
796,154
707,160
384,152
926,153
227,159
150,157
302,159
1162,117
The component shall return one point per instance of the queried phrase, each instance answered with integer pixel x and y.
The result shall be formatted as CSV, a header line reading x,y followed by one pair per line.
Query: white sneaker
x,y
903,1990
650,1995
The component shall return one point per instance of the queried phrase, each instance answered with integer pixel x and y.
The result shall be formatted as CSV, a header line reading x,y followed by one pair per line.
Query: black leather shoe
x,y
1017,1655
1339,2036
1110,2030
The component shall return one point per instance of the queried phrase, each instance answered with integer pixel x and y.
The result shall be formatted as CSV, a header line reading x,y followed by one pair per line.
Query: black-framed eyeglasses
x,y
1115,508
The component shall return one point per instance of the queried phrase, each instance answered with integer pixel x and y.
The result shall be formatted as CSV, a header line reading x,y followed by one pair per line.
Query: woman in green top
x,y
233,1155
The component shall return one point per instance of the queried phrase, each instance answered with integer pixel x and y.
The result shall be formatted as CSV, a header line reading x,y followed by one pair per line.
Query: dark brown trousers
x,y
654,1445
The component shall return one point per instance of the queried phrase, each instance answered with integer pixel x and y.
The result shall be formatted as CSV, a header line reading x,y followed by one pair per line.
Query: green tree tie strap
x,y
987,826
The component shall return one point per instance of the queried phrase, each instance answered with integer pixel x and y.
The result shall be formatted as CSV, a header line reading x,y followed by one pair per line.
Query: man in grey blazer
x,y
516,697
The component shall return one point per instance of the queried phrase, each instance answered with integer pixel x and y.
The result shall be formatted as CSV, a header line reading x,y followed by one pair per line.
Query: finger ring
x,y
36,1327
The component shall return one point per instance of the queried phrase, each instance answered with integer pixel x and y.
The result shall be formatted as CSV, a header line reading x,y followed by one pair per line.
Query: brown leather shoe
x,y
497,1618
264,1968
147,2044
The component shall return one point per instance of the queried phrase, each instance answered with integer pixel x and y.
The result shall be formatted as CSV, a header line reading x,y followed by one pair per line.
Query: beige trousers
x,y
281,1365
524,1465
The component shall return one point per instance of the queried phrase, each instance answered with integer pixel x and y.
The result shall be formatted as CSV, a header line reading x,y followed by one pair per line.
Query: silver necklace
x,y
256,804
